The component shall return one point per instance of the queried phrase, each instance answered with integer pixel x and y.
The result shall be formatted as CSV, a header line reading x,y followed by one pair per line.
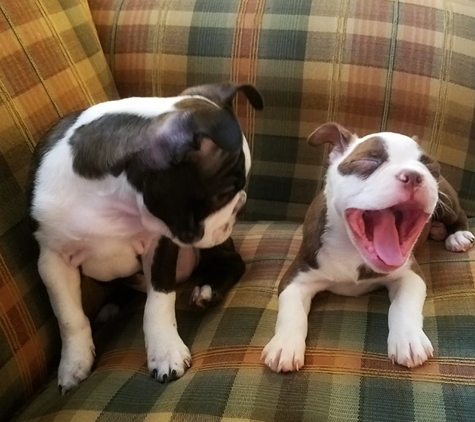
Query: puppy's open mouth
x,y
386,237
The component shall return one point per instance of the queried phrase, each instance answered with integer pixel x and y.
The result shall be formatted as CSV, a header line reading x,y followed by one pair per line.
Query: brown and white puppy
x,y
358,235
140,185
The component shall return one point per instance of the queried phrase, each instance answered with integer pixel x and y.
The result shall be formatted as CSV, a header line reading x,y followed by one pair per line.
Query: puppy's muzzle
x,y
191,236
218,226
410,178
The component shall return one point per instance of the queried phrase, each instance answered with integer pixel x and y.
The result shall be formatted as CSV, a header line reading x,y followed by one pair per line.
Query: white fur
x,y
102,226
383,189
166,352
285,352
202,295
63,284
460,241
339,260
247,155
218,226
407,343
138,106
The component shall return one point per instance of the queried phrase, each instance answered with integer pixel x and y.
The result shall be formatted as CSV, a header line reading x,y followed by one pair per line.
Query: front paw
x,y
460,241
168,360
203,296
283,354
77,357
409,347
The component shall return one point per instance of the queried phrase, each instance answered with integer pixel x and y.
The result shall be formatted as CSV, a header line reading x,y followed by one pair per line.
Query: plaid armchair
x,y
372,65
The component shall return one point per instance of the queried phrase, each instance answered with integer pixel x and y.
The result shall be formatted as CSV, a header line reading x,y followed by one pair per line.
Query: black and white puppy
x,y
135,185
358,235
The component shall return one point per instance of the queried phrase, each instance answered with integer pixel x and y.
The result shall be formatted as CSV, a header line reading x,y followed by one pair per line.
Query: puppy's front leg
x,y
63,283
286,350
167,355
407,343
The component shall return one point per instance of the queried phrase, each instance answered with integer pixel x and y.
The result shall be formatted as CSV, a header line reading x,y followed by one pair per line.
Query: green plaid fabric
x,y
51,63
374,65
347,374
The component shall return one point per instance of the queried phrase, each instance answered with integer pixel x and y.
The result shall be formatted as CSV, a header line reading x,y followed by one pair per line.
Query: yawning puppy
x,y
140,185
358,235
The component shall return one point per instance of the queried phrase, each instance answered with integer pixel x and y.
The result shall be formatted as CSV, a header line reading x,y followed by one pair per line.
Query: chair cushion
x,y
51,63
347,374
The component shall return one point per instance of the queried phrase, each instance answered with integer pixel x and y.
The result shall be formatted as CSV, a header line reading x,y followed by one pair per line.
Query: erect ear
x,y
223,93
171,136
333,133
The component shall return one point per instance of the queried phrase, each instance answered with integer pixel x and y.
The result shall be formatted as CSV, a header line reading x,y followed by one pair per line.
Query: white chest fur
x,y
101,225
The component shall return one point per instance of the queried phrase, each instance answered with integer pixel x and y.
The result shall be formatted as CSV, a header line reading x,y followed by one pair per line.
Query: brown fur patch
x,y
432,165
448,209
365,273
365,159
313,229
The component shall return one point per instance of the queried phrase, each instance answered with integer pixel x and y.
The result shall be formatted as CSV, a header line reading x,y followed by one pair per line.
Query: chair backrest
x,y
400,66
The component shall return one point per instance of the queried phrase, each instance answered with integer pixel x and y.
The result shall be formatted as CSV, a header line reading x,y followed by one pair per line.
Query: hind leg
x,y
219,269
63,283
449,213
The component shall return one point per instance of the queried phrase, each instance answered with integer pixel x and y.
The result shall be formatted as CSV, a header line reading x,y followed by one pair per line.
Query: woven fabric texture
x,y
372,65
347,374
377,65
51,63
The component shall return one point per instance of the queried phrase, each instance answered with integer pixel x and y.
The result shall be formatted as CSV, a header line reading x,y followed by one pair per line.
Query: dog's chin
x,y
386,237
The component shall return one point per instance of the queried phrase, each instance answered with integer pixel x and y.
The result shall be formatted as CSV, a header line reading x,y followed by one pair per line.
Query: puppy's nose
x,y
190,236
410,178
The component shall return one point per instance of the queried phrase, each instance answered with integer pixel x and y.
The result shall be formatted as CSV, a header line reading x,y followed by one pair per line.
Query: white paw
x,y
202,296
460,241
284,354
409,347
77,357
168,359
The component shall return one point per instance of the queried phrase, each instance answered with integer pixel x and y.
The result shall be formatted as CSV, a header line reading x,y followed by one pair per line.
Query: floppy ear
x,y
172,135
218,124
223,93
334,133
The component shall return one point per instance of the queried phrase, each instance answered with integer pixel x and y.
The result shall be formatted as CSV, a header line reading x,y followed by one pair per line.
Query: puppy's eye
x,y
226,194
369,161
365,166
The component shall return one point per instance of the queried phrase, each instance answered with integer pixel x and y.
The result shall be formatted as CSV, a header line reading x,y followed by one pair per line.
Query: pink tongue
x,y
386,238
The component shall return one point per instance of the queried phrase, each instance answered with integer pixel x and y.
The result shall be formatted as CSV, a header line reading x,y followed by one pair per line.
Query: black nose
x,y
191,236
410,178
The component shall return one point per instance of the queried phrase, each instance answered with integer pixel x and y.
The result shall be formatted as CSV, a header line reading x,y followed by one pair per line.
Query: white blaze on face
x,y
247,154
218,226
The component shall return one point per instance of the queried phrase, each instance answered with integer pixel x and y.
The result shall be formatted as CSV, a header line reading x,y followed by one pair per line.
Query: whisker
x,y
445,204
